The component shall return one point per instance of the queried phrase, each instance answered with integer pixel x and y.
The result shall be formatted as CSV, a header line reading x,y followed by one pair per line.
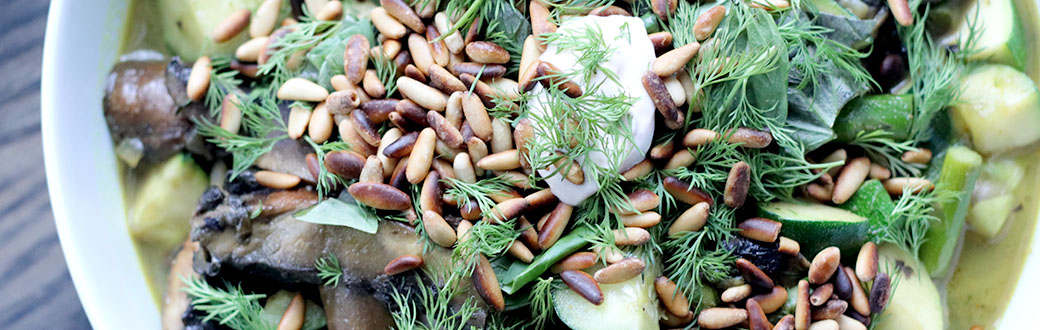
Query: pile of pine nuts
x,y
441,130
838,184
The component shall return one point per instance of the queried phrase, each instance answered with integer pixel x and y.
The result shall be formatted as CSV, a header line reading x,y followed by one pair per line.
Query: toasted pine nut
x,y
391,47
438,229
880,292
824,324
663,8
462,229
736,293
640,170
685,193
753,275
819,193
721,317
665,149
698,137
355,58
487,52
276,180
859,300
380,196
502,136
400,10
500,161
422,53
430,194
452,41
682,158
373,86
298,121
373,170
901,11
654,86
527,78
343,102
299,89
642,220
867,263
671,296
198,80
387,25
570,170
421,156
675,90
836,156
529,53
230,114
464,168
319,127
576,261
477,116
339,83
506,210
606,11
485,71
554,226
848,323
851,177
347,164
294,314
581,283
821,294
842,284
802,309
364,127
737,185
789,246
445,132
265,18
250,50
444,81
314,5
423,95
640,200
918,156
403,263
669,63
631,236
520,251
661,41
750,138
477,151
402,146
772,301
707,22
620,271
540,199
330,11
785,323
231,26
830,310
551,78
896,186
453,110
879,172
486,284
824,265
757,316
388,163
760,229
540,23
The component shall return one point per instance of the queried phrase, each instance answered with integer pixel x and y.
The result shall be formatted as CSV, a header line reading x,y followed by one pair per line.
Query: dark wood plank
x,y
33,277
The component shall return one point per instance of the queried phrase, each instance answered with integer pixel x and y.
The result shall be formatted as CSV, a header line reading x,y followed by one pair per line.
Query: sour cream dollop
x,y
632,55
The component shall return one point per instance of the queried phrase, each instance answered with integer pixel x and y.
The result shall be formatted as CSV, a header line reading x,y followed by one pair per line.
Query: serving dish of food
x,y
583,164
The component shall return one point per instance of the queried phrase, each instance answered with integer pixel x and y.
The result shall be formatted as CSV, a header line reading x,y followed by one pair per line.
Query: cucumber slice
x,y
817,226
165,201
873,202
887,112
960,169
187,25
1001,39
987,217
999,109
915,302
630,304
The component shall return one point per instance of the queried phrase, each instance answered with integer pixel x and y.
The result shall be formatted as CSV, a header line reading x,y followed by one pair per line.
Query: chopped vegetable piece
x,y
887,112
999,109
817,226
960,169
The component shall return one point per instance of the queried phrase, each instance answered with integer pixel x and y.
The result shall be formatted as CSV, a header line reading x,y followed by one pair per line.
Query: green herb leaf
x,y
339,213
329,270
518,274
231,307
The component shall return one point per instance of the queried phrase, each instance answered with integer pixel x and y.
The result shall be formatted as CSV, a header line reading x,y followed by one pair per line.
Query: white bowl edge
x,y
86,198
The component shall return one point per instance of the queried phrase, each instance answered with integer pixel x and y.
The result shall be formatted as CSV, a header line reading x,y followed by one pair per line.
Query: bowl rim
x,y
1018,311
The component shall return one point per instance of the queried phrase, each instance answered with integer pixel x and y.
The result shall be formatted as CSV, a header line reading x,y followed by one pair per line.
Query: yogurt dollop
x,y
632,55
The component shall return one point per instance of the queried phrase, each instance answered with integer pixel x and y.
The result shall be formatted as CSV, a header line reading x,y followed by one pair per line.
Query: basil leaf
x,y
339,213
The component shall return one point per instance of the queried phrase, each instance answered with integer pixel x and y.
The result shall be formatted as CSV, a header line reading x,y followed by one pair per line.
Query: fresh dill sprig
x,y
430,309
231,307
968,45
326,181
329,270
695,258
262,127
685,17
913,214
308,33
558,9
811,52
774,176
933,73
881,148
479,192
386,71
541,302
593,51
484,238
222,81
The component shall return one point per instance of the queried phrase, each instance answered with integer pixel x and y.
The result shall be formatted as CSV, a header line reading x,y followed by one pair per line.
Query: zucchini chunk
x,y
165,201
961,167
817,226
188,24
915,302
888,112
1001,39
993,200
631,304
999,109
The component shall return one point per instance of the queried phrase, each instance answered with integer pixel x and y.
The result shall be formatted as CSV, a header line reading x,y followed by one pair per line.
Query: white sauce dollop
x,y
632,56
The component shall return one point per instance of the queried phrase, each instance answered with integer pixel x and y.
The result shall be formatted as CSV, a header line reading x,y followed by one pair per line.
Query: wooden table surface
x,y
35,284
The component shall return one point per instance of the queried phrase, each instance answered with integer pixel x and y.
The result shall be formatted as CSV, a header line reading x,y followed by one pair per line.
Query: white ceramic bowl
x,y
81,46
